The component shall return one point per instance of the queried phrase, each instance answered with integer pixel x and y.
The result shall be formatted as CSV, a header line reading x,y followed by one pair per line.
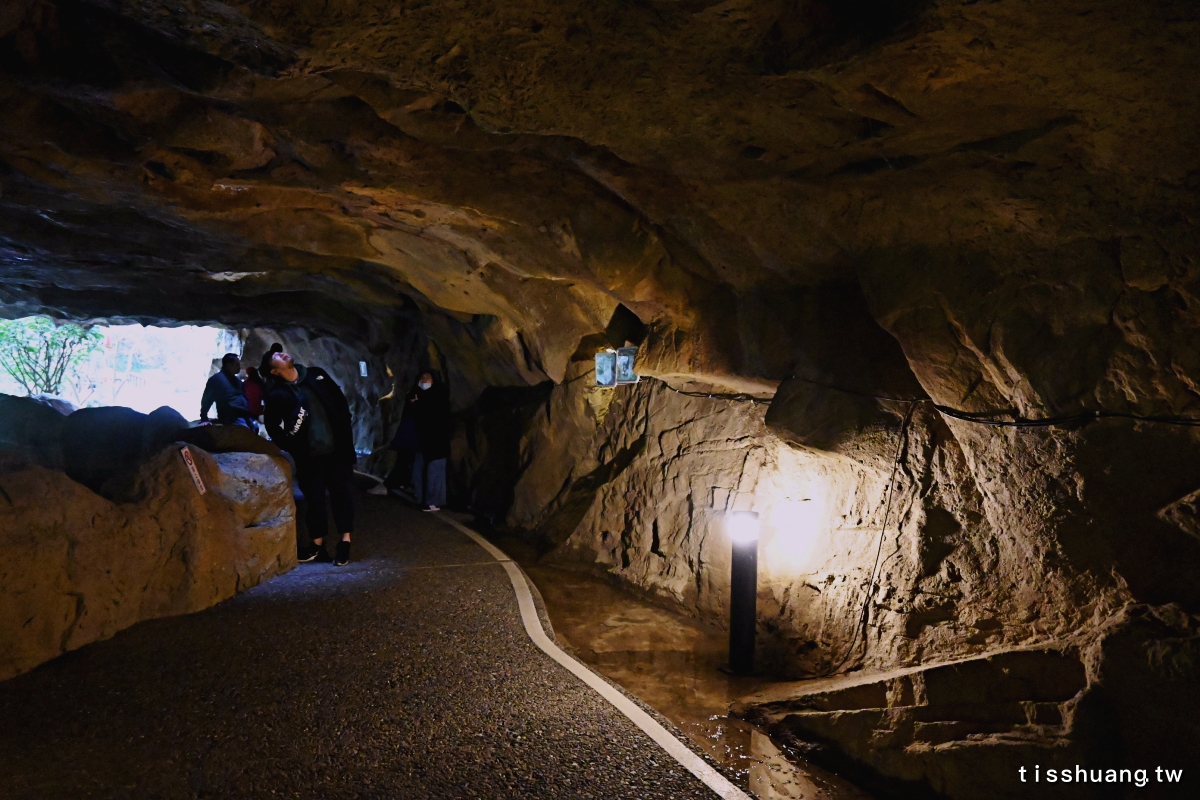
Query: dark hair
x,y
264,366
225,359
276,348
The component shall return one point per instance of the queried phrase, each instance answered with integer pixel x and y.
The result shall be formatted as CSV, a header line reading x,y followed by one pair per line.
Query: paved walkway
x,y
407,674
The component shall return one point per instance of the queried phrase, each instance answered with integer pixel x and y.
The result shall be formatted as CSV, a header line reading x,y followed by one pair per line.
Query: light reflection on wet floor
x,y
671,663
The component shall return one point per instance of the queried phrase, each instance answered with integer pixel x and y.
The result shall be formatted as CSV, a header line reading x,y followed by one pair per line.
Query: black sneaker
x,y
306,554
320,555
343,554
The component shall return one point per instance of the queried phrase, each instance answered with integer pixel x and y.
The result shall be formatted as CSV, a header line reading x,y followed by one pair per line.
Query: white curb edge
x,y
533,626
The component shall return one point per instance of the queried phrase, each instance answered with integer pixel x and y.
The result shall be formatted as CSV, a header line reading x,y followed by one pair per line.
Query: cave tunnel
x,y
911,294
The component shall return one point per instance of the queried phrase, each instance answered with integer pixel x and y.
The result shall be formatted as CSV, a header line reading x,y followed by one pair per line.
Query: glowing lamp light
x,y
796,526
742,527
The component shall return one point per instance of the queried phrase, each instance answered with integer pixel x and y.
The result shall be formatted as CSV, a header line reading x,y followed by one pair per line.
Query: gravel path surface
x,y
406,674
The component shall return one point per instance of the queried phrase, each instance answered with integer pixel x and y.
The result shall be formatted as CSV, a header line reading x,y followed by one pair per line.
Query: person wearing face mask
x,y
307,415
429,404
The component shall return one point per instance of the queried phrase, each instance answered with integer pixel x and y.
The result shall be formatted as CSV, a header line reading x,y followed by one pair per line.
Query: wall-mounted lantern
x,y
615,367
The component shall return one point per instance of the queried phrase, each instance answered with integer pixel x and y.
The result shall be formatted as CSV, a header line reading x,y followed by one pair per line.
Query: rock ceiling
x,y
762,183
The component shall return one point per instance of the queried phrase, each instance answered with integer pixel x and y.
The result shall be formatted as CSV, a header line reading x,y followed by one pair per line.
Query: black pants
x,y
317,475
401,474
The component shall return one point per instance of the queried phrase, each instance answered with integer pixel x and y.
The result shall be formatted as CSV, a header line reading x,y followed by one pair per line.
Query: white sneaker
x,y
378,489
431,508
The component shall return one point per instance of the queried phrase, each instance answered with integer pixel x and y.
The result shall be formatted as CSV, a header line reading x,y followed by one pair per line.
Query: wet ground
x,y
407,674
671,662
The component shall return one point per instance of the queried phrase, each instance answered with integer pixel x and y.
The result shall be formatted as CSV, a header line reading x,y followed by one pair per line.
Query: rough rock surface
x,y
964,729
31,429
520,169
79,567
924,729
637,480
987,206
105,447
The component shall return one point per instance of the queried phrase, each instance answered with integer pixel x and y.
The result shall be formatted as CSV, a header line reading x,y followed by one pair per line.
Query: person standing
x,y
254,388
430,407
307,415
226,391
404,443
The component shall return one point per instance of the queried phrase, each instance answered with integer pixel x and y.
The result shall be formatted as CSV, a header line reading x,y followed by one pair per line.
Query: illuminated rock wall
x,y
634,481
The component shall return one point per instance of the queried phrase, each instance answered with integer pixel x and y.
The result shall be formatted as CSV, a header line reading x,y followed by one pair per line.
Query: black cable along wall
x,y
983,418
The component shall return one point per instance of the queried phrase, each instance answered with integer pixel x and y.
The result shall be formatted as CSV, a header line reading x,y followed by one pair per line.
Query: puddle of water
x,y
671,662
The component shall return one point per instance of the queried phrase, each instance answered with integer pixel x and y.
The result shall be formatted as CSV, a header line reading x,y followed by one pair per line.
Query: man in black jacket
x,y
308,416
225,389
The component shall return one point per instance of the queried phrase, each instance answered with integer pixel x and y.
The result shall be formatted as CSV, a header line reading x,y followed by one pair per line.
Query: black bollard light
x,y
742,527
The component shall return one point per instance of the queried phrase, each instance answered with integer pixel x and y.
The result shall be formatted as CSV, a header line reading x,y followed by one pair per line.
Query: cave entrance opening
x,y
142,367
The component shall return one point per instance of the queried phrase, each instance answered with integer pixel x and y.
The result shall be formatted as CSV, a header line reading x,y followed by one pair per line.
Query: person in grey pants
x,y
430,406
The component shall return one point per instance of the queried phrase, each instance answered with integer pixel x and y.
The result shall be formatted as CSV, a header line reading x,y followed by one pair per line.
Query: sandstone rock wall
x,y
1121,698
634,481
79,567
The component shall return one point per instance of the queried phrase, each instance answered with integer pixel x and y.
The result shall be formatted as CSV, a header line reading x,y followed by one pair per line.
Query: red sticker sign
x,y
191,465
